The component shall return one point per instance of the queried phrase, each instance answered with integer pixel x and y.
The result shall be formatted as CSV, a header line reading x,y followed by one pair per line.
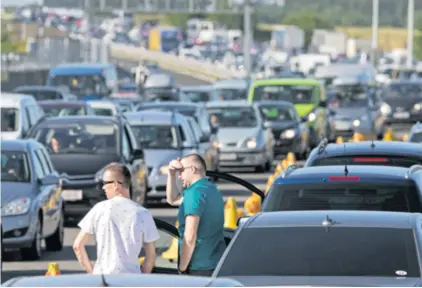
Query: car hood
x,y
82,164
14,190
349,113
159,157
325,281
236,134
282,125
304,109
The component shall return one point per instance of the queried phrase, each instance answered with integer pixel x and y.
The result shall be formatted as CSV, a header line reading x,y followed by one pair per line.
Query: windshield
x,y
156,136
81,138
103,111
53,111
397,196
383,160
314,251
81,85
231,94
416,138
397,91
348,100
233,116
42,95
277,114
294,94
9,119
195,96
14,167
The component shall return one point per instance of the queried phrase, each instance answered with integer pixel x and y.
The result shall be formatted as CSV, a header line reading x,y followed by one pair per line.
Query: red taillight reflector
x,y
344,178
370,159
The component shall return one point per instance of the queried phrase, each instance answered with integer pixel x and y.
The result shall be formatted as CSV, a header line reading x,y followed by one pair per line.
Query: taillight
x,y
370,159
343,178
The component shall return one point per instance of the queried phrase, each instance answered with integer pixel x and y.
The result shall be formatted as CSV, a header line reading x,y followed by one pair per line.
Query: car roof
x,y
154,117
14,99
231,84
278,103
229,103
116,280
170,105
79,68
345,218
81,118
102,104
315,174
67,103
39,87
286,81
364,148
197,88
405,82
21,145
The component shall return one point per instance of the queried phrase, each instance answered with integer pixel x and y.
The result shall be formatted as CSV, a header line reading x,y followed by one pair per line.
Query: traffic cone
x,y
230,213
173,252
388,135
339,140
284,165
277,169
240,213
357,137
252,206
141,260
269,183
53,269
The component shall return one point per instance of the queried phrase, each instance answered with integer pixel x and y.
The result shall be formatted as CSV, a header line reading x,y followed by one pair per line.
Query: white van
x,y
19,113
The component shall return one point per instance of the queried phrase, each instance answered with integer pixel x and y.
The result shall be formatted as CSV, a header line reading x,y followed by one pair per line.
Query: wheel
x,y
34,252
55,241
260,169
268,166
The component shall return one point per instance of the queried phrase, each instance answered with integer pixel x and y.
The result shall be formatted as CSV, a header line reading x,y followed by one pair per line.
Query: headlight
x,y
418,106
356,123
385,109
164,169
290,133
16,207
311,117
251,143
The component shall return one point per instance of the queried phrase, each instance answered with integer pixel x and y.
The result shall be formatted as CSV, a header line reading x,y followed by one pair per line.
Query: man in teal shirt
x,y
201,216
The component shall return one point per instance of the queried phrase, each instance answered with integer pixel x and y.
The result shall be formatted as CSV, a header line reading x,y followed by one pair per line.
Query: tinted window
x,y
231,94
340,100
397,90
14,167
156,137
293,94
9,119
103,111
43,95
416,138
195,96
394,196
53,111
314,251
273,113
234,116
79,138
396,161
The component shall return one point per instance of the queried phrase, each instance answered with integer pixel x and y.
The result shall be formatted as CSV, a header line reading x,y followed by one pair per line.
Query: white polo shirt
x,y
121,227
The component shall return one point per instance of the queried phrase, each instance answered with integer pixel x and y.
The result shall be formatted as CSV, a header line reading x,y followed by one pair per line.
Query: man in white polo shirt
x,y
121,228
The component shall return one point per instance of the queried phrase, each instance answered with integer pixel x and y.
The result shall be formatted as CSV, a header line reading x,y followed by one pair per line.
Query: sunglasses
x,y
109,182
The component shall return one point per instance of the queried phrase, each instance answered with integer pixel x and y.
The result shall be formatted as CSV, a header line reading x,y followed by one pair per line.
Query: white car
x,y
104,107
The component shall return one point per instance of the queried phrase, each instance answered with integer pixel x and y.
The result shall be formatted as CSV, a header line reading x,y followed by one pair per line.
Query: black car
x,y
80,147
291,134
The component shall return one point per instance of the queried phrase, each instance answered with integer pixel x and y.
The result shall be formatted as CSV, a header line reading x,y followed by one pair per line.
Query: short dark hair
x,y
121,171
198,159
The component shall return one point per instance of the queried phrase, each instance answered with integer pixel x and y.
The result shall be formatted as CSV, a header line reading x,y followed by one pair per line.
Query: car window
x,y
314,251
416,138
401,196
244,117
182,134
274,113
41,95
33,114
48,160
39,169
296,94
43,162
396,161
194,131
156,136
15,167
9,119
195,96
125,146
103,111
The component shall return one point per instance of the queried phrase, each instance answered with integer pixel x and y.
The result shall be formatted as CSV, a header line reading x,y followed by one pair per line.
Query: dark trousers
x,y
206,273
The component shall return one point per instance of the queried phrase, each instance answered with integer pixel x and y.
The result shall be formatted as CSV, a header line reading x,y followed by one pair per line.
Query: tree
x,y
418,38
308,22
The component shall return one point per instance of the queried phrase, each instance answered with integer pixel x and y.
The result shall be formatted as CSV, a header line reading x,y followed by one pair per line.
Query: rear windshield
x,y
314,251
396,161
41,95
399,196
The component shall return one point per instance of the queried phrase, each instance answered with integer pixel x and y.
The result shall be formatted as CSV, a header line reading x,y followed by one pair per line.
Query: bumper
x,y
156,185
18,231
80,196
242,158
413,117
284,146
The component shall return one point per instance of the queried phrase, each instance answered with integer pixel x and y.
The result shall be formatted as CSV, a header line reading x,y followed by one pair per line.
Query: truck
x,y
287,38
164,38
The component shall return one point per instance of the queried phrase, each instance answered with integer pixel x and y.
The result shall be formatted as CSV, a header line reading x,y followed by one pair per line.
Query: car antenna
x,y
103,281
346,171
373,136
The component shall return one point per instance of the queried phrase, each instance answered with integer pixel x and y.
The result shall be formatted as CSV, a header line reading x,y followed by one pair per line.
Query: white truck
x,y
287,38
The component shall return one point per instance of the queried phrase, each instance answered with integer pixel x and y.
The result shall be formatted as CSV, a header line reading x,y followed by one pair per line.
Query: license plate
x,y
401,115
228,156
342,125
72,195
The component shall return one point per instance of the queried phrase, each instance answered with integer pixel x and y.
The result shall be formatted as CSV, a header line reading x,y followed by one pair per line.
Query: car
x,y
394,153
160,86
358,248
53,108
42,93
195,94
291,134
415,135
105,107
125,104
344,187
243,139
80,147
164,136
32,204
121,280
232,89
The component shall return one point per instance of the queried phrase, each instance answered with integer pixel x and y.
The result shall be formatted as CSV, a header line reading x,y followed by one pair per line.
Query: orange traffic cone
x,y
172,253
291,159
269,183
252,205
53,269
339,140
230,213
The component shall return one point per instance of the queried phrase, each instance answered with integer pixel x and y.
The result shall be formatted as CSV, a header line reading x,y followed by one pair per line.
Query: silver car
x,y
244,140
164,136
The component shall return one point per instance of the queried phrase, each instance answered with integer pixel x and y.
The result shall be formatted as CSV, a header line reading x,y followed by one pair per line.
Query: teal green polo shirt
x,y
203,199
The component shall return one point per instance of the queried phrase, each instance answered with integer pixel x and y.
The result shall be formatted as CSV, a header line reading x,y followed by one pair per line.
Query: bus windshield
x,y
81,85
291,93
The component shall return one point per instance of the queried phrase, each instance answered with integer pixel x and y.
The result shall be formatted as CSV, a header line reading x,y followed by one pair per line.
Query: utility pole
x,y
247,31
410,24
375,14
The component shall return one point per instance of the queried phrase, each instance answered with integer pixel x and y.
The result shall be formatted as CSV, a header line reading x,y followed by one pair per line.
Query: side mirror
x,y
50,180
138,154
204,138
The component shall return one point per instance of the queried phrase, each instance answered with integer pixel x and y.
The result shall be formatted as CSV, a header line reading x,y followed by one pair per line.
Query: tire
x,y
55,241
260,169
34,252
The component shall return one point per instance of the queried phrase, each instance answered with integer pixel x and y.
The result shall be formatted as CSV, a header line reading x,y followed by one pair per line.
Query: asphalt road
x,y
14,267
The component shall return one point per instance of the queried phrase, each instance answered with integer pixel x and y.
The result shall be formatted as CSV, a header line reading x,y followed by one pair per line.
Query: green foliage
x,y
418,38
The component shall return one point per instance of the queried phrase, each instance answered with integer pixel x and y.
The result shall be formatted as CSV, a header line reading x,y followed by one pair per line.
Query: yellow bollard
x,y
252,205
171,253
291,159
339,140
142,260
388,135
53,269
357,137
405,137
240,213
277,169
230,213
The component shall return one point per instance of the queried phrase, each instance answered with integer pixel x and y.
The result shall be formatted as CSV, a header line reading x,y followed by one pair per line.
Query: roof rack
x,y
413,169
